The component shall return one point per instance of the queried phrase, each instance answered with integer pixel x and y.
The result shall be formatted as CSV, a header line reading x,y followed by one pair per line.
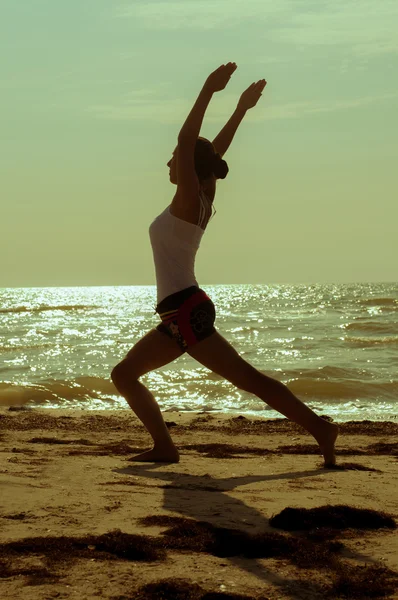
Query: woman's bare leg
x,y
277,395
152,351
142,402
217,354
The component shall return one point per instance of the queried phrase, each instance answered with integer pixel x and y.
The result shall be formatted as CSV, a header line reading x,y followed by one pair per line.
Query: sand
x,y
72,507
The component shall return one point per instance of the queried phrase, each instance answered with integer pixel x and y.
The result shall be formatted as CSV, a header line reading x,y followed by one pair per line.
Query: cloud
x,y
366,26
296,110
139,106
204,14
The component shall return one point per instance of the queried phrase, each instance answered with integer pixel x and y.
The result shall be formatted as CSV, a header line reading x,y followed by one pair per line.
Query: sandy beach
x,y
80,520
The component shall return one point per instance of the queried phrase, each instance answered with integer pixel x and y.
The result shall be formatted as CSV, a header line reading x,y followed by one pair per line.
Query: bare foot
x,y
169,455
326,442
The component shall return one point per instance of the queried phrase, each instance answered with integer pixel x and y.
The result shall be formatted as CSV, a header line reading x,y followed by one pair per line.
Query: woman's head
x,y
208,163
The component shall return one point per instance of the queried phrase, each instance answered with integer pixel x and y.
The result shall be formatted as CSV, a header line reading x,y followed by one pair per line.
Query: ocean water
x,y
334,345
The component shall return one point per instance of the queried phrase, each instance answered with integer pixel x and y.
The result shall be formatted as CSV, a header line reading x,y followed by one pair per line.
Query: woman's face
x,y
172,164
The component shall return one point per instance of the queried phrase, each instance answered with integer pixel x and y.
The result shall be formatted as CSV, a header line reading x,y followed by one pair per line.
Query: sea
x,y
334,345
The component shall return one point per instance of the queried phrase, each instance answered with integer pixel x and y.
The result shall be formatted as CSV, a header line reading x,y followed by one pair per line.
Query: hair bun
x,y
209,162
220,167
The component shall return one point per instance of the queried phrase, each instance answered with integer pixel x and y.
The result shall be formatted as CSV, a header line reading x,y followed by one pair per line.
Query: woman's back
x,y
192,212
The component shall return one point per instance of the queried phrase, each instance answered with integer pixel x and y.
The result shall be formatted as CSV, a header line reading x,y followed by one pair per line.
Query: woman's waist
x,y
176,299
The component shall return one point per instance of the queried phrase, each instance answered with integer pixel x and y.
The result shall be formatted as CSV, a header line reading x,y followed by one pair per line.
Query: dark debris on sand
x,y
44,419
200,536
215,450
363,582
314,551
182,535
242,424
228,450
339,516
17,419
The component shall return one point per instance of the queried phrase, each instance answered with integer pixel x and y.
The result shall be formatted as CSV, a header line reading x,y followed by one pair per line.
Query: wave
x,y
349,389
380,302
376,341
16,349
78,389
22,309
327,372
372,326
308,386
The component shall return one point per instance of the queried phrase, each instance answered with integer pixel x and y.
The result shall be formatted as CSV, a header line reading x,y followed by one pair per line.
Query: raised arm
x,y
248,99
223,140
214,83
188,184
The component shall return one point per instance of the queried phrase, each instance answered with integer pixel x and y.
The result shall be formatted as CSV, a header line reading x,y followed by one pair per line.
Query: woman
x,y
187,313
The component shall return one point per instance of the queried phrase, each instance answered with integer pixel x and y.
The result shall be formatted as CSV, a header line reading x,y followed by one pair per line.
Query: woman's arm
x,y
248,99
191,128
215,82
223,140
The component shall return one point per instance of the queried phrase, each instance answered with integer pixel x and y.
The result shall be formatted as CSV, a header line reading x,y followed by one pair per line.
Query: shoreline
x,y
66,474
253,415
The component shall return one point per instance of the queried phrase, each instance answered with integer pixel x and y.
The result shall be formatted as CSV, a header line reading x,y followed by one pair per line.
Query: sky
x,y
93,94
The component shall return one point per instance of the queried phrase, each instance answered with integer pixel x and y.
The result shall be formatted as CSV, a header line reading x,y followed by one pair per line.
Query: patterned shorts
x,y
187,316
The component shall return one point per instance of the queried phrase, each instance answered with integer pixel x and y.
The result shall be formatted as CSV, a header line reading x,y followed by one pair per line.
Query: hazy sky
x,y
93,94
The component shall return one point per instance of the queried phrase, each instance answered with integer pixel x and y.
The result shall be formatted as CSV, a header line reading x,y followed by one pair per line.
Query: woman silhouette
x,y
186,311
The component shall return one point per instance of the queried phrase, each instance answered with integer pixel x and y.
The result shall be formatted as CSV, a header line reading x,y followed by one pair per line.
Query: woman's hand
x,y
251,96
217,80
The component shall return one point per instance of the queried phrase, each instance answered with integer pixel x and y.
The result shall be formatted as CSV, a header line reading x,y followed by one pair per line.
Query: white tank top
x,y
175,243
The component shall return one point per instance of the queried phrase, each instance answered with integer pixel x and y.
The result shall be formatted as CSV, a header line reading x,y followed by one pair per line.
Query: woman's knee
x,y
116,374
122,373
